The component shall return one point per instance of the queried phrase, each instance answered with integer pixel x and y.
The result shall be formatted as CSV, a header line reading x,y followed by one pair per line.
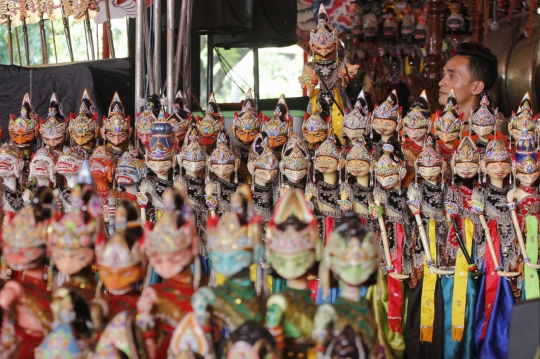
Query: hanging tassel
x,y
457,333
197,272
213,278
426,334
50,276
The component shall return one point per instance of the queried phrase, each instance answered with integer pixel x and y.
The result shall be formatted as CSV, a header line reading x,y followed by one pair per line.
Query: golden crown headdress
x,y
295,155
116,121
483,115
388,164
526,156
166,237
23,231
86,120
248,119
193,151
27,121
143,122
104,151
329,148
72,232
222,154
280,124
359,117
496,152
389,109
523,119
449,121
359,152
325,34
229,234
212,122
293,227
419,116
466,152
115,251
261,155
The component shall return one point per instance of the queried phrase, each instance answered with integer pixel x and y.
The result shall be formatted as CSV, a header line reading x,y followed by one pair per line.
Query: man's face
x,y
456,74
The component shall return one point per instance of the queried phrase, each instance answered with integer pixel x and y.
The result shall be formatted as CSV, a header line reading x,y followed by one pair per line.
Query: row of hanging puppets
x,y
405,189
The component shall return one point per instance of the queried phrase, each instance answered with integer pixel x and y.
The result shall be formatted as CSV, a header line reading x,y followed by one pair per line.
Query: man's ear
x,y
478,87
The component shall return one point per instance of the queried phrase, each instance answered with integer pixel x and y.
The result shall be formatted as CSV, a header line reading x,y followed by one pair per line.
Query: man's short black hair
x,y
482,63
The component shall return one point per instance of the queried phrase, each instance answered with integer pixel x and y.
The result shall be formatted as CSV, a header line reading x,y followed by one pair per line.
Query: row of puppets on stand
x,y
447,239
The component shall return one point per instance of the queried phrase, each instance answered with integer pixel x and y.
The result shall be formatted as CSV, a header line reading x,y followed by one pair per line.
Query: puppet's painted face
x,y
167,265
466,170
354,135
276,142
527,179
230,263
102,169
498,170
160,167
430,174
447,138
358,168
517,132
120,280
245,136
42,167
82,138
326,52
223,171
9,166
127,175
295,176
22,139
196,167
209,140
315,138
291,266
416,134
71,262
326,164
354,273
144,137
482,131
20,259
384,127
388,182
265,175
117,139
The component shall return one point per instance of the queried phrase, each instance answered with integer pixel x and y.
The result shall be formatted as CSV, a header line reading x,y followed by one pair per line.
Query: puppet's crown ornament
x,y
212,122
419,116
193,151
281,123
162,144
23,231
388,164
449,121
389,109
526,156
325,34
248,120
329,148
523,119
115,251
359,152
466,152
261,155
293,227
222,154
27,121
54,125
483,115
116,121
86,120
496,152
429,157
359,118
295,156
314,122
167,236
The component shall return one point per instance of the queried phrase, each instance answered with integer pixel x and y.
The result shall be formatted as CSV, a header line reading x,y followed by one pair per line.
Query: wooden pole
x,y
434,39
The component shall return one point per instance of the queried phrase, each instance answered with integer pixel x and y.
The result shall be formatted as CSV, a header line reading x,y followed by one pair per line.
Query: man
x,y
472,71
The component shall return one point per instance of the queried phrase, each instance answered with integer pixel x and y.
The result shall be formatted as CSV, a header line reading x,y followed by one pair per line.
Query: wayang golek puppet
x,y
83,128
53,128
210,126
68,166
116,129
